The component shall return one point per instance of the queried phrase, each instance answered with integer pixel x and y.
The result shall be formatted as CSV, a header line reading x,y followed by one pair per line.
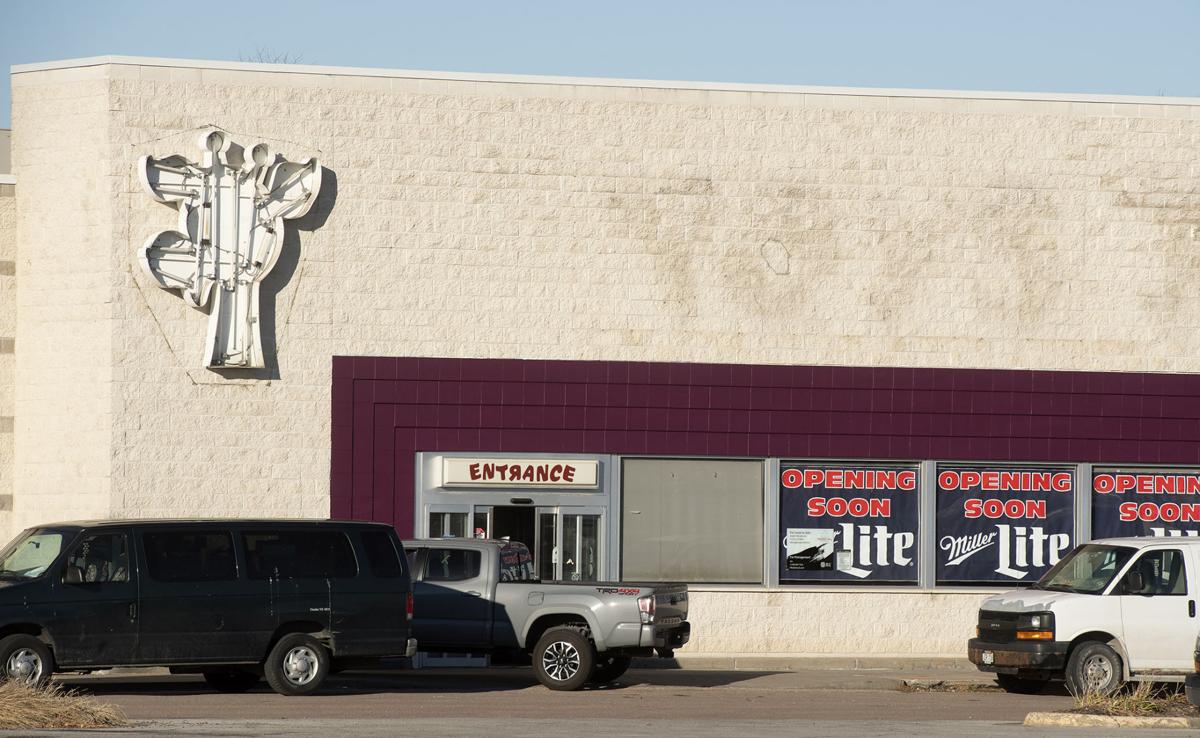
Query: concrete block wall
x,y
484,218
832,622
8,328
62,446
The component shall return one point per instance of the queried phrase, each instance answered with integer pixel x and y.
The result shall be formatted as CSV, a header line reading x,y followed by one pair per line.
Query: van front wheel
x,y
1094,668
297,665
24,658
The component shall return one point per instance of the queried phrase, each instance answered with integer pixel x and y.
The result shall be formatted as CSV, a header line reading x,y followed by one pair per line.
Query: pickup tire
x,y
297,665
1094,668
610,668
564,658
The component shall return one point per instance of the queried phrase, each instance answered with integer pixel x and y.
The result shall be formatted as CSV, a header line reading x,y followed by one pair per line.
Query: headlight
x,y
1035,626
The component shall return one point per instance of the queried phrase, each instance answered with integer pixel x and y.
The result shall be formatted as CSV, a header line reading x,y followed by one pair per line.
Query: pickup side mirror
x,y
72,575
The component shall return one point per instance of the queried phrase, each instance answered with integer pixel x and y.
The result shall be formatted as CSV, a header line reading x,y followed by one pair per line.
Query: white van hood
x,y
1027,600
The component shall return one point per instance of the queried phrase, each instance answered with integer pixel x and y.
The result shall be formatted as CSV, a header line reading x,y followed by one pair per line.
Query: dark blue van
x,y
234,600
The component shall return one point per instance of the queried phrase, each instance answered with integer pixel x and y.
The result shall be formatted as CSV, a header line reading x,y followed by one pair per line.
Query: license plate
x,y
988,657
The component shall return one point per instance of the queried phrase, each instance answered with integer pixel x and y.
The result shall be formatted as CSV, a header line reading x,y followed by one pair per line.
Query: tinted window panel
x,y
307,554
190,556
381,554
451,565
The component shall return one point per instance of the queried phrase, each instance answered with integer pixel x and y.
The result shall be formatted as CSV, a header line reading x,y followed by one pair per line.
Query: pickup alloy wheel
x,y
24,658
564,658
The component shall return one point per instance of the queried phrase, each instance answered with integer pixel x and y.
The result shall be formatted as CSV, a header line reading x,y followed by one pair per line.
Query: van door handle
x,y
1191,608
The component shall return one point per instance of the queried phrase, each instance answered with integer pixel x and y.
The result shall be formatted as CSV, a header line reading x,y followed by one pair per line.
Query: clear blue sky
x,y
1142,47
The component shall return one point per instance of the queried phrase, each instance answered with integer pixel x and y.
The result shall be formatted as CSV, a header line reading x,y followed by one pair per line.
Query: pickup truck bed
x,y
478,596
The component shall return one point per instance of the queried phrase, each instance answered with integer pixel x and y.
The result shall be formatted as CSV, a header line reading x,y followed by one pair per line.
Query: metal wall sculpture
x,y
232,205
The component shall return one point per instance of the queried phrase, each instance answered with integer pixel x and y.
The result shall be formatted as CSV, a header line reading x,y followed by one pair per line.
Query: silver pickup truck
x,y
480,596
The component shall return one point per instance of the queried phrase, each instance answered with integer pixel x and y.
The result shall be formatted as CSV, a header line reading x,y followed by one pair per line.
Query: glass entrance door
x,y
570,544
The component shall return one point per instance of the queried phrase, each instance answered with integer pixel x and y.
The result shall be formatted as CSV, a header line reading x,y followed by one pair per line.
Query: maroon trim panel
x,y
386,409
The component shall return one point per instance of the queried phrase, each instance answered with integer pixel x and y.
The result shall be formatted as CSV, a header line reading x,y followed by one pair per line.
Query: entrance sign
x,y
1002,523
232,205
848,522
1145,502
460,472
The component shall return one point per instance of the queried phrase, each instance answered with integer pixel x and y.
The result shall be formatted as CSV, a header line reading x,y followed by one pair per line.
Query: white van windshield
x,y
1087,570
31,553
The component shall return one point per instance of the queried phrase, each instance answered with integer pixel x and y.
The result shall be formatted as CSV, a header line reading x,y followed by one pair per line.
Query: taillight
x,y
646,607
408,605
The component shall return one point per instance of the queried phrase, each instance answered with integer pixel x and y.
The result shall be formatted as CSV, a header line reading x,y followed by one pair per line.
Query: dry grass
x,y
913,685
1145,700
23,706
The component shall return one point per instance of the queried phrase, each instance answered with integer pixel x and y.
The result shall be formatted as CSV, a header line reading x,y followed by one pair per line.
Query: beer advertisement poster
x,y
1145,502
848,522
1002,524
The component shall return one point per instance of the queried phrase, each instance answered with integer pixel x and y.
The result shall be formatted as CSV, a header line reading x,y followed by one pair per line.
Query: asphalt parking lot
x,y
645,702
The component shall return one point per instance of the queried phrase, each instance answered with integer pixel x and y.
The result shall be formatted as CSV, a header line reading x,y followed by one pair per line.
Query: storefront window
x,y
1002,524
848,522
691,520
1145,502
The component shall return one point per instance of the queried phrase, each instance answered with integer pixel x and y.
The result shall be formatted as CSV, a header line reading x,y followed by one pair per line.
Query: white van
x,y
1113,610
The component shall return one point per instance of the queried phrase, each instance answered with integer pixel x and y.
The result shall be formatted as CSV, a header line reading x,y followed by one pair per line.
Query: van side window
x,y
1161,573
451,564
381,554
98,559
299,554
190,555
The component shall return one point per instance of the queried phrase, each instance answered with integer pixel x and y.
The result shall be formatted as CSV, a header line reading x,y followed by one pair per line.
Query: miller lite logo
x,y
1002,523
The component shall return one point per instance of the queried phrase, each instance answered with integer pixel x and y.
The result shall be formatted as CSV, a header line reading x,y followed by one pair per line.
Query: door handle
x,y
133,611
1191,608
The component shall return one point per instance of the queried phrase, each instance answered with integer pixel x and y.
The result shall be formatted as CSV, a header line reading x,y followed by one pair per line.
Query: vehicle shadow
x,y
440,681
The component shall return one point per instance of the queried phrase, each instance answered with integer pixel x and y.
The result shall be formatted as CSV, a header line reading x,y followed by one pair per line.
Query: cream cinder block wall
x,y
8,327
571,220
62,446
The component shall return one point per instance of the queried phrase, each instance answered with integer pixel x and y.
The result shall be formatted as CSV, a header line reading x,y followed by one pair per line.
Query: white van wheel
x,y
1094,668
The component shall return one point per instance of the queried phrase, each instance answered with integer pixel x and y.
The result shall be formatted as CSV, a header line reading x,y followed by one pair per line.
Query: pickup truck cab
x,y
1111,611
480,596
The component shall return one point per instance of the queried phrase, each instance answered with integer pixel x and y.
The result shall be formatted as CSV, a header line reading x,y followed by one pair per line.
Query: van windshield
x,y
31,553
1087,570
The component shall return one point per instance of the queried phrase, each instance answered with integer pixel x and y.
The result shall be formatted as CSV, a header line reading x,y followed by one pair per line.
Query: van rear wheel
x,y
231,680
297,665
24,658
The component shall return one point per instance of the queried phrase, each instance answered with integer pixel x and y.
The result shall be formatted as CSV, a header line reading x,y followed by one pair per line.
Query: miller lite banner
x,y
1002,523
848,522
1145,502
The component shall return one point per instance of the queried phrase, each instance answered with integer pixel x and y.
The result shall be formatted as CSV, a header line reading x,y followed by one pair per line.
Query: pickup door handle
x,y
1191,608
472,593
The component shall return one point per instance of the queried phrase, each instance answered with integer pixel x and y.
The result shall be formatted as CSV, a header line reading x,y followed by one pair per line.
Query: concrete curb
x,y
1076,720
751,662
